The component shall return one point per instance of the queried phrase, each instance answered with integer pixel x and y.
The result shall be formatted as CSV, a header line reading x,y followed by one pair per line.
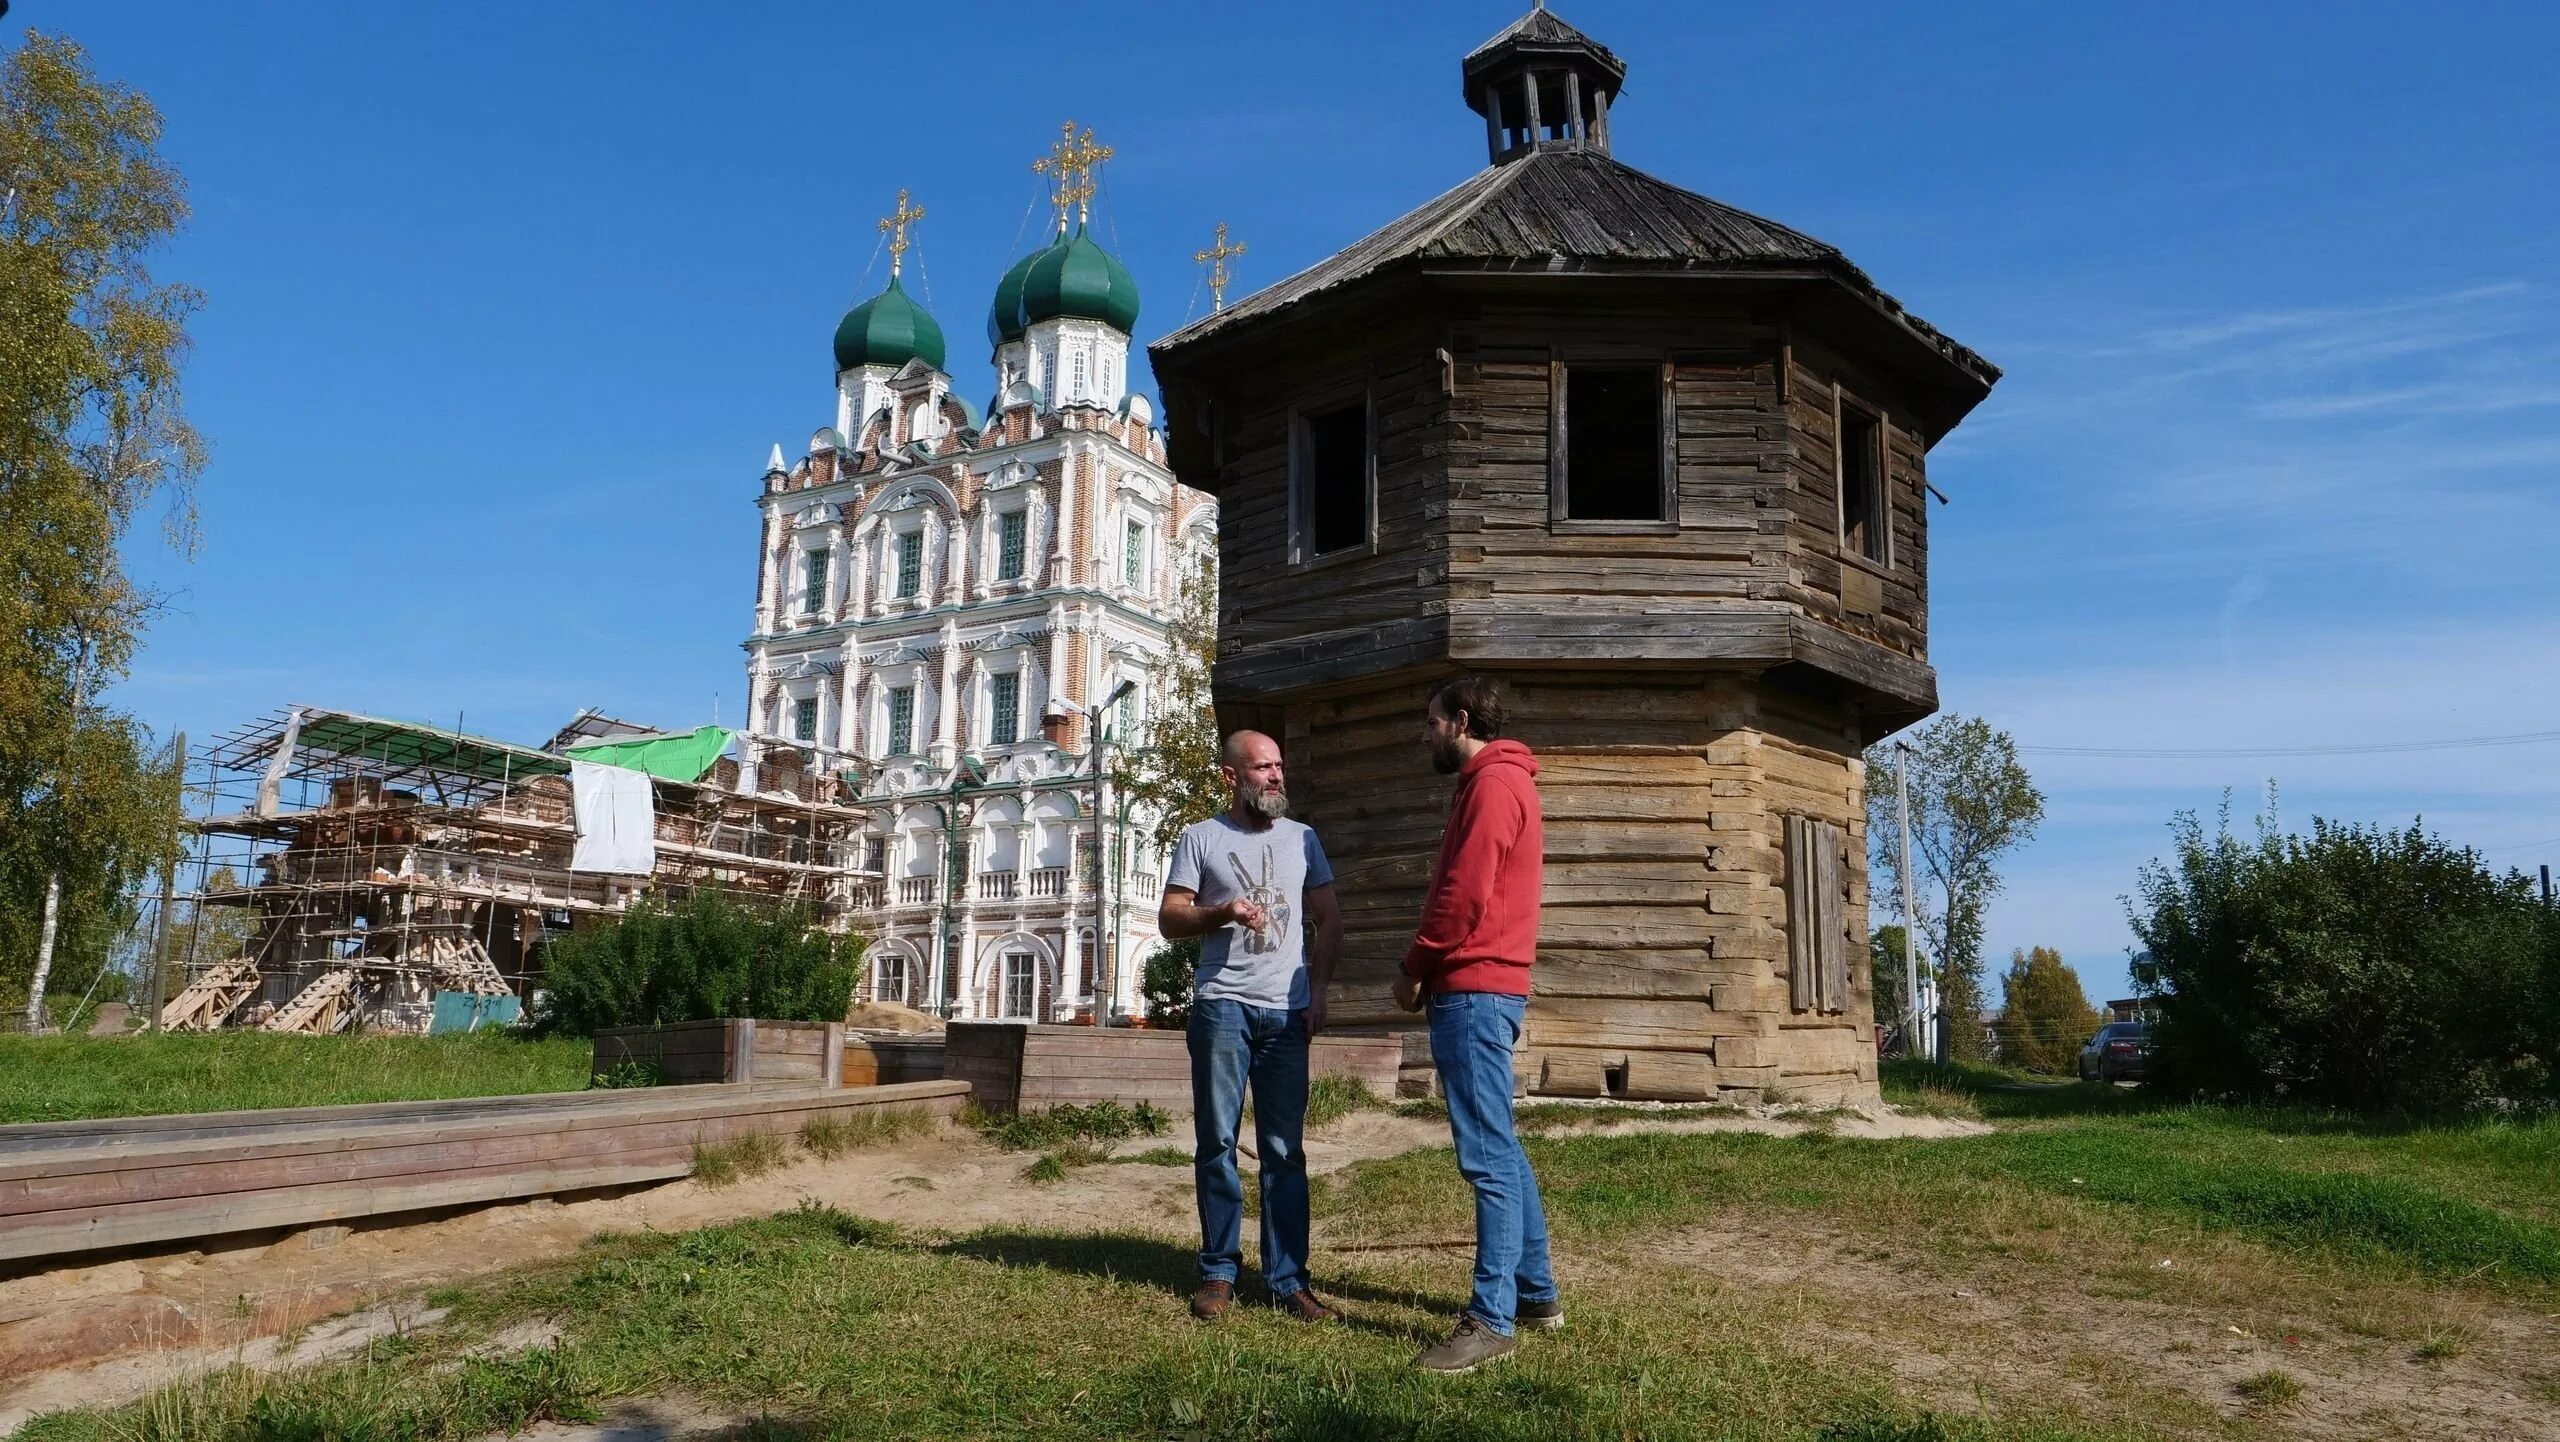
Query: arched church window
x,y
1079,389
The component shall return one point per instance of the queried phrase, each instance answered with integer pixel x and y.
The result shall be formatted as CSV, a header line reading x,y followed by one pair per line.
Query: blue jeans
x,y
1233,1044
1473,1034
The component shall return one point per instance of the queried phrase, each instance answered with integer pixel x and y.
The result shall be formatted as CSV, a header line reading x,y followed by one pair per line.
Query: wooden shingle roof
x,y
1572,208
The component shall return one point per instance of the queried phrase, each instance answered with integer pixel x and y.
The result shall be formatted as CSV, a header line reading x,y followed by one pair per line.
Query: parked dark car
x,y
2119,1052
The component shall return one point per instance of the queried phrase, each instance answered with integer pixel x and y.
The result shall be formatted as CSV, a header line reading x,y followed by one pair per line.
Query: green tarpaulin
x,y
683,756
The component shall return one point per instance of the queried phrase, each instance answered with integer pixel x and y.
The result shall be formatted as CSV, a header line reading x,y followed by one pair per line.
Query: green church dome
x,y
1076,277
1004,318
889,329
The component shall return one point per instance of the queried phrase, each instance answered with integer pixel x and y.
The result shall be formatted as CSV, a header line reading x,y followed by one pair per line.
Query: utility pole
x,y
168,891
1106,981
1912,1042
2546,884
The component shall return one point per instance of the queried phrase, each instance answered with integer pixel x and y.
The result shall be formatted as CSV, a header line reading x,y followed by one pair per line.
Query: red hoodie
x,y
1479,927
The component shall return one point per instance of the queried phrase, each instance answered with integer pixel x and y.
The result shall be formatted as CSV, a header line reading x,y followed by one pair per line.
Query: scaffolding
x,y
344,870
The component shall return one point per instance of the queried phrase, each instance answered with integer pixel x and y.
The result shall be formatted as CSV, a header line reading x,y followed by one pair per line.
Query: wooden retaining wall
x,y
68,1187
886,1058
1012,1067
728,1050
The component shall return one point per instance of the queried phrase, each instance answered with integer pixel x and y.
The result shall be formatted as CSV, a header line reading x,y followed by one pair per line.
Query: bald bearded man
x,y
1253,885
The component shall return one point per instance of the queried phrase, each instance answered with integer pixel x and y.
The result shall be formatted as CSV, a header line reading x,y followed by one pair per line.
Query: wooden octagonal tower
x,y
1661,467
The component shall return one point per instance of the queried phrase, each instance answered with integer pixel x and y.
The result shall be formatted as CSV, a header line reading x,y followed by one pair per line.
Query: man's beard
x,y
1447,758
1270,804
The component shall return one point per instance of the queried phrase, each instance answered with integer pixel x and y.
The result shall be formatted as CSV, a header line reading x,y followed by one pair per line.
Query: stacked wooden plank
x,y
1013,1067
70,1187
210,998
320,1008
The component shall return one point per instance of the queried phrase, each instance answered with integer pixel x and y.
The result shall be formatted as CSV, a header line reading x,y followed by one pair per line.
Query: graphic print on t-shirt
x,y
1273,935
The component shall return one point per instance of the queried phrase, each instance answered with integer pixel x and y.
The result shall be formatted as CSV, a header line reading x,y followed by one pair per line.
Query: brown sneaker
x,y
1306,1306
1211,1301
1544,1316
1469,1347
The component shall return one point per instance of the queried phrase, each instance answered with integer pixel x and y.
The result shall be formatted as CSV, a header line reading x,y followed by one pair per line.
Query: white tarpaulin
x,y
617,823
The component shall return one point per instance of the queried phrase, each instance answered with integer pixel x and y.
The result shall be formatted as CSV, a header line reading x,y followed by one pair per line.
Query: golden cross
x,y
1216,257
896,226
1071,163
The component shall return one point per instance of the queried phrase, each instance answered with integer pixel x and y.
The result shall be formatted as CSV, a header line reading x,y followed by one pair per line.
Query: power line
x,y
2378,748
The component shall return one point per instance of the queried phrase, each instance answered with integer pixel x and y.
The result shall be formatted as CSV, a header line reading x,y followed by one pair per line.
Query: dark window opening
x,y
1613,444
1334,467
1863,519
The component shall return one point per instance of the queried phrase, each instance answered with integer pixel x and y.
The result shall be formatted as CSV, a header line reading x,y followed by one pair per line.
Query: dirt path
x,y
87,1336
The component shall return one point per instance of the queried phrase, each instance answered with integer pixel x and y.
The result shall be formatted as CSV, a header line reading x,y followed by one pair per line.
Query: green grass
x,y
1103,1121
1159,1157
46,1079
822,1324
724,1163
1331,1098
2470,1202
829,1137
2270,1390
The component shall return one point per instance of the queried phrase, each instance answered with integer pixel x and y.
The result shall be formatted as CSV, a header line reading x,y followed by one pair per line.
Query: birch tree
x,y
92,433
1972,803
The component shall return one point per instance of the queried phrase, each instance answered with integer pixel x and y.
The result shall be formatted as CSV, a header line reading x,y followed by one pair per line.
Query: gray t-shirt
x,y
1220,861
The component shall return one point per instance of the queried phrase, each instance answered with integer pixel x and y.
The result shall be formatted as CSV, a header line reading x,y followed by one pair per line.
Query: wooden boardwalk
x,y
73,1187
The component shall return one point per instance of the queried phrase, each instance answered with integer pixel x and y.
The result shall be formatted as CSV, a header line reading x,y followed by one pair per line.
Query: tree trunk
x,y
44,949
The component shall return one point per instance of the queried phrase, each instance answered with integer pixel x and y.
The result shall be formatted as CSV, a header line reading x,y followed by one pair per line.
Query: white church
x,y
950,602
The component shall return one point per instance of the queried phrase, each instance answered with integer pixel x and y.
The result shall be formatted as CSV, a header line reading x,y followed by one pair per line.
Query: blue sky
x,y
507,304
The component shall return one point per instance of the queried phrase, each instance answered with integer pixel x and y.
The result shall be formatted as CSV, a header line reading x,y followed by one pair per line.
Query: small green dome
x,y
1004,318
1079,278
888,330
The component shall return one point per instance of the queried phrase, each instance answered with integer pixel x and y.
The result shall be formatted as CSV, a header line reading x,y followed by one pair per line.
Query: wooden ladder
x,y
211,997
322,1007
467,968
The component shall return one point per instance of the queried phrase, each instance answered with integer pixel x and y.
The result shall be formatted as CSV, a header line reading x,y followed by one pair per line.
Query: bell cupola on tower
x,y
1542,82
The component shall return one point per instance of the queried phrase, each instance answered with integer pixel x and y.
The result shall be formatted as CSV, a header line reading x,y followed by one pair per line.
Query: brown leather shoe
x,y
1211,1301
1306,1306
1469,1347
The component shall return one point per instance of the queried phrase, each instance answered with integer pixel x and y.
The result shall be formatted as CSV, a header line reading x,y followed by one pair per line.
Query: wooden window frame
x,y
1013,543
1004,723
1030,985
817,573
1559,479
1843,400
1301,520
889,717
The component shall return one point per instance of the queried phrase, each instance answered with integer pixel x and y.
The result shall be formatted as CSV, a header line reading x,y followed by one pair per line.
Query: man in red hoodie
x,y
1470,963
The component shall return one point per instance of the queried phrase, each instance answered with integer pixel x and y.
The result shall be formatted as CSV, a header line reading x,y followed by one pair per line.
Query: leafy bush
x,y
1165,985
2376,970
706,957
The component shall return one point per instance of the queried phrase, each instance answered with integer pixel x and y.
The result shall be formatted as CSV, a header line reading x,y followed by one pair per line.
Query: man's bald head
x,y
1250,762
1240,745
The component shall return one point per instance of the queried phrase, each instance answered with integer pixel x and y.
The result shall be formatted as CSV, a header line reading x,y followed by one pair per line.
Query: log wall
x,y
1662,969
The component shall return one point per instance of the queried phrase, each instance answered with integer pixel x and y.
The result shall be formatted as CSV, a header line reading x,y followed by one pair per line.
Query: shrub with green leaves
x,y
708,956
2357,967
1165,984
